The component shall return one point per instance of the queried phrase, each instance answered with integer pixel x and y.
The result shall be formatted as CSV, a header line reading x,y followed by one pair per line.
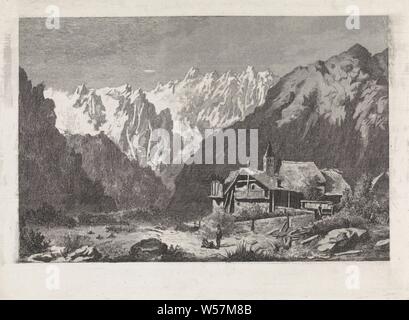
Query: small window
x,y
253,186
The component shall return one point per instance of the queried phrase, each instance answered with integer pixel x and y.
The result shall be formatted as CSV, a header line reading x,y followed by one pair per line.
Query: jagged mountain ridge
x,y
128,117
332,112
124,115
211,100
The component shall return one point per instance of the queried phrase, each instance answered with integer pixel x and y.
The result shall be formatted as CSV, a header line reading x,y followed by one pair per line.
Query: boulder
x,y
57,252
381,244
84,254
148,249
52,254
267,246
341,239
40,257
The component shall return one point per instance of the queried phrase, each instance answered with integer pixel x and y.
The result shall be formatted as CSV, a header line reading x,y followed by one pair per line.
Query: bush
x,y
244,253
313,194
74,242
176,254
66,221
32,242
364,203
151,213
47,215
253,213
96,219
120,228
209,224
338,221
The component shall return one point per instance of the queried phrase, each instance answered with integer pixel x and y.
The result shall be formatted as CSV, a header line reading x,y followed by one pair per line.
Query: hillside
x,y
332,112
76,173
49,170
130,185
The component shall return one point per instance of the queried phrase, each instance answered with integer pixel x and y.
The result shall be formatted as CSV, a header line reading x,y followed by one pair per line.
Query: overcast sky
x,y
142,51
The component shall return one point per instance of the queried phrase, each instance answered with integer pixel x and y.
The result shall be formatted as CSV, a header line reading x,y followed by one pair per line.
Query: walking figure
x,y
219,235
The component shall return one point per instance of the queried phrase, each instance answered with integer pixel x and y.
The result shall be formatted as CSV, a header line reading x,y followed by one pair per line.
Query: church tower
x,y
269,161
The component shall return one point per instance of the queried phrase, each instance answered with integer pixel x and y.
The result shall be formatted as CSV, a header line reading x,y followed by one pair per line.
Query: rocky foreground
x,y
272,240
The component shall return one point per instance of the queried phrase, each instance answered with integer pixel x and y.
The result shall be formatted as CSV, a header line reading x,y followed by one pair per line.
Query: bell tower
x,y
269,161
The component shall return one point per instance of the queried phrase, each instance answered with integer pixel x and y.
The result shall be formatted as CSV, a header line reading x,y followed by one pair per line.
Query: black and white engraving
x,y
203,139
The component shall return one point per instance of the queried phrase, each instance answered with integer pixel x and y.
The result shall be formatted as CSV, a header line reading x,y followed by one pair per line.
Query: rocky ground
x,y
272,240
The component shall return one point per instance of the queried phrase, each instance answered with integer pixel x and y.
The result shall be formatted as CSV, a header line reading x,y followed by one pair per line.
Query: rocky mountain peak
x,y
192,74
81,90
250,70
359,51
213,99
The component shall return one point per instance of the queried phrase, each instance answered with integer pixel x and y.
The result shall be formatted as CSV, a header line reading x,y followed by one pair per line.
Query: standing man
x,y
320,212
219,235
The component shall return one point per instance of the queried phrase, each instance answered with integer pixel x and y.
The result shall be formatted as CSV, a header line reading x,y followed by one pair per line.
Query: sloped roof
x,y
261,176
335,183
295,176
299,176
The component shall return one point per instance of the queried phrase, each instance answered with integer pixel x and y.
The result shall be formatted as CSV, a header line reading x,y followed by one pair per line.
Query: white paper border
x,y
265,280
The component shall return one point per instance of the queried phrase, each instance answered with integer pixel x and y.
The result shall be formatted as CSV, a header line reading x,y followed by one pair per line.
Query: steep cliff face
x,y
122,179
49,170
211,100
332,112
74,172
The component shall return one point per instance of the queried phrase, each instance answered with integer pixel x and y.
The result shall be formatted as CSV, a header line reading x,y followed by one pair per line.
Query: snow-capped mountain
x,y
124,115
332,112
182,107
211,100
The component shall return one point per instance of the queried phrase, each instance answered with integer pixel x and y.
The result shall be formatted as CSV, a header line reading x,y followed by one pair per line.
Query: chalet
x,y
279,184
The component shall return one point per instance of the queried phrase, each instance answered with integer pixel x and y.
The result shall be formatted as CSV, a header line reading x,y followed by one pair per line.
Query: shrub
x,y
176,254
245,253
96,219
47,215
66,221
32,242
253,213
219,217
74,242
120,228
338,221
313,194
151,213
364,203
